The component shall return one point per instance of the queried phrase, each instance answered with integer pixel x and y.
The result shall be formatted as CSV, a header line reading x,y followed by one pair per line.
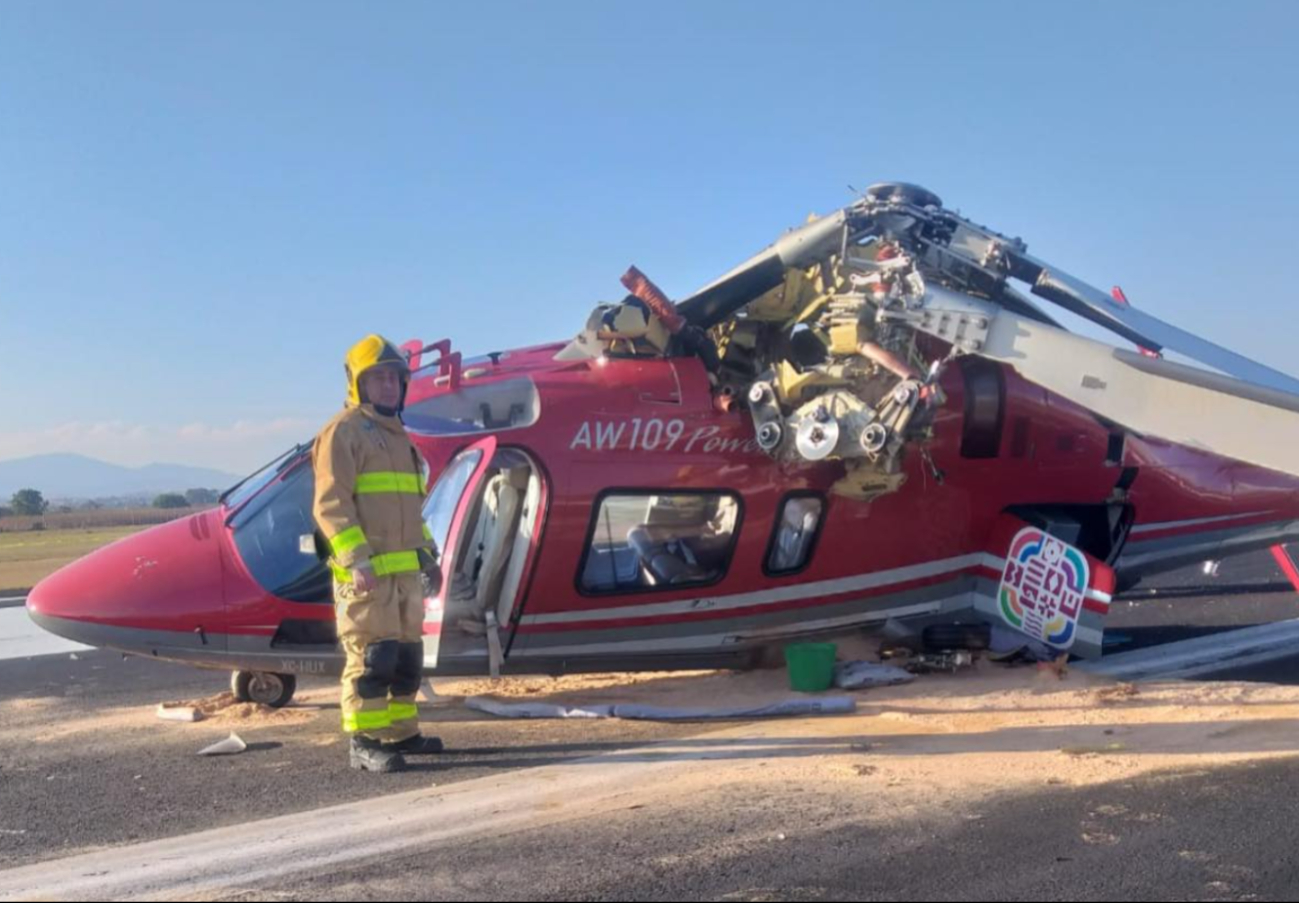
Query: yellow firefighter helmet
x,y
372,351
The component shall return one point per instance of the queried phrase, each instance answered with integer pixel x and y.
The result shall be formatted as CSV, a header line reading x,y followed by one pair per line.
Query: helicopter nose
x,y
161,587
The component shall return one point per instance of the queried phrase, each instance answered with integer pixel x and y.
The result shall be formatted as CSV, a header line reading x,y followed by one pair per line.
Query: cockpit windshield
x,y
242,491
275,534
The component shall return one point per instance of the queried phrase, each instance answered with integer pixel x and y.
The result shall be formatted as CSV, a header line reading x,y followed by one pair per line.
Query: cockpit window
x,y
275,536
474,409
250,486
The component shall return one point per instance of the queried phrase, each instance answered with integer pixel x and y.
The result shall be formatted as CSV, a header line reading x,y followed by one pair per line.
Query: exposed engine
x,y
835,336
824,371
840,361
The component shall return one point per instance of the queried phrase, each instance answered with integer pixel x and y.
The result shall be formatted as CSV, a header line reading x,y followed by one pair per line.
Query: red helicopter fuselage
x,y
609,513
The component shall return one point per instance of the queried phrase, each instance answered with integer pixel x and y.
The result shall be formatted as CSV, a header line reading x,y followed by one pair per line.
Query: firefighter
x,y
369,492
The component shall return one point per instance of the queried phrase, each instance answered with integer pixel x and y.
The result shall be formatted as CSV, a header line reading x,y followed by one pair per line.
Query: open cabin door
x,y
445,512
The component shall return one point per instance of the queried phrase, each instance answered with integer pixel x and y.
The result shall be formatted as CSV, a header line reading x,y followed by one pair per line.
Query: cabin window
x,y
797,529
475,409
648,540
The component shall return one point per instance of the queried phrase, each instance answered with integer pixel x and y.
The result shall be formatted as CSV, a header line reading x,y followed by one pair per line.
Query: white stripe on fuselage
x,y
957,602
1140,529
761,598
797,592
720,640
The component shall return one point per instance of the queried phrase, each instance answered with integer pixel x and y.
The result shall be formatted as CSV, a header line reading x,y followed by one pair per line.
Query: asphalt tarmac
x,y
86,766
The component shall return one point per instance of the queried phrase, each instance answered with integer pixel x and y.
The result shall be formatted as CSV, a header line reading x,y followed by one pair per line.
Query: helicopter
x,y
869,425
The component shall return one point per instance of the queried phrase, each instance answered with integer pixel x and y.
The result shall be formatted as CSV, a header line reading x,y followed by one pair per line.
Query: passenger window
x,y
797,528
509,404
646,541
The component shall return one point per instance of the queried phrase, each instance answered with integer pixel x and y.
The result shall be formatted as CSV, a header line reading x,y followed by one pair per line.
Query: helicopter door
x,y
446,512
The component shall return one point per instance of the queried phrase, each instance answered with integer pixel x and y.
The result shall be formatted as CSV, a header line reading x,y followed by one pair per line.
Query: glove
x,y
432,581
430,573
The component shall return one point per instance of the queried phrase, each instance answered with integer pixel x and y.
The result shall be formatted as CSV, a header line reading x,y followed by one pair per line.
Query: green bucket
x,y
811,666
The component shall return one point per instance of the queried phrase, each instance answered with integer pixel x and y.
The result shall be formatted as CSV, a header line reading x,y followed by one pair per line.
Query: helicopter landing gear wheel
x,y
263,688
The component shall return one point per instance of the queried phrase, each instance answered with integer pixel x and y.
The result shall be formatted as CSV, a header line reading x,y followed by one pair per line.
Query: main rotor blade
x,y
1138,326
1186,405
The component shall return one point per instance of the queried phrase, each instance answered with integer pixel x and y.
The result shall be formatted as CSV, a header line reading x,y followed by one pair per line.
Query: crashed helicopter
x,y
869,423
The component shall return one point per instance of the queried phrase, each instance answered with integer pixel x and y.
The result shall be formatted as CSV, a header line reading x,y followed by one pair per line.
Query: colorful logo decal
x,y
1043,588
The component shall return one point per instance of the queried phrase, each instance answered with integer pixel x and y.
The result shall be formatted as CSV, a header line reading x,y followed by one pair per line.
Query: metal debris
x,y
174,711
230,746
863,675
949,662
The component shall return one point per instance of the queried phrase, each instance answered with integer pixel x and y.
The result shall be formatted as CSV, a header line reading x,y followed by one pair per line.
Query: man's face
x,y
381,386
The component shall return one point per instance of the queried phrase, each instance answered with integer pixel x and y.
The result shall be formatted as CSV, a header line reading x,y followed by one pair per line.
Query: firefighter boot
x,y
370,755
418,745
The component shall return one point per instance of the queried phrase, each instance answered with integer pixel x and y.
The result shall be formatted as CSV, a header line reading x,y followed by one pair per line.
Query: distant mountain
x,y
79,477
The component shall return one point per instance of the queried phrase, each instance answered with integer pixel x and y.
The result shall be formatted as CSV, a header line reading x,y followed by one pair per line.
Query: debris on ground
x,y
862,675
230,746
788,708
1011,647
175,711
540,710
1116,693
948,662
225,707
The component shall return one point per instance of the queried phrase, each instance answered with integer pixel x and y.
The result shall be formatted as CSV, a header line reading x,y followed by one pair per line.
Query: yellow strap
x,y
388,481
350,539
354,722
428,534
403,711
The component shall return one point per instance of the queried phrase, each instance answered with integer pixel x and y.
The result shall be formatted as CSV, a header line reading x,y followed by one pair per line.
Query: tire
x,y
263,688
941,637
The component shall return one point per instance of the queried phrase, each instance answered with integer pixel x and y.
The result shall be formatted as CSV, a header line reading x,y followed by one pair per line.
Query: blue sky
x,y
203,206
